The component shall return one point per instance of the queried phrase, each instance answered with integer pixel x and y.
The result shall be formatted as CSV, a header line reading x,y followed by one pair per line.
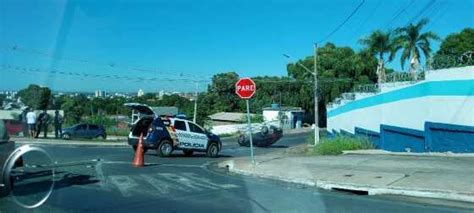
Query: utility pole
x,y
195,103
315,74
316,112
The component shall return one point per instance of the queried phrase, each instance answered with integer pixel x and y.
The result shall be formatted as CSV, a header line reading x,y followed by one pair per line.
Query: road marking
x,y
161,183
166,183
196,178
163,187
102,179
124,184
173,178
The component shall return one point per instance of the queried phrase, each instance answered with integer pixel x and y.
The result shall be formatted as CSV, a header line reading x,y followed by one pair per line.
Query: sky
x,y
126,45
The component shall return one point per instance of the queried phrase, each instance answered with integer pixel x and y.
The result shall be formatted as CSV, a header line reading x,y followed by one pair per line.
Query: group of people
x,y
33,125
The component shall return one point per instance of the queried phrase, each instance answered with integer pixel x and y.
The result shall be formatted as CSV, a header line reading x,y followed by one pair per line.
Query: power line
x,y
370,15
82,75
423,10
438,16
401,11
434,9
16,48
344,22
303,81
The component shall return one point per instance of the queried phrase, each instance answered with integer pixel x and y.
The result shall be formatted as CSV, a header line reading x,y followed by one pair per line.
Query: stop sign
x,y
245,88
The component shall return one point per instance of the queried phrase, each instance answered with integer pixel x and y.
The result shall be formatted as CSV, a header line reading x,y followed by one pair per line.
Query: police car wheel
x,y
187,153
165,149
66,136
213,150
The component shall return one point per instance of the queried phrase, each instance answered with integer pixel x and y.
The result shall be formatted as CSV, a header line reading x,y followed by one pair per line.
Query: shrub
x,y
335,146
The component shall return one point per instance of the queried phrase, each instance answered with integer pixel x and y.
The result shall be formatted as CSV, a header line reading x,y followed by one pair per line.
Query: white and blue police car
x,y
166,134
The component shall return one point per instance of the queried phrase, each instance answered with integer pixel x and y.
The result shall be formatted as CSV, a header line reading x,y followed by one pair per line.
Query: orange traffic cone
x,y
139,159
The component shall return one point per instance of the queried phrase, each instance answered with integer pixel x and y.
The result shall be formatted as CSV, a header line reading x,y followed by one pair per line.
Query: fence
x,y
397,80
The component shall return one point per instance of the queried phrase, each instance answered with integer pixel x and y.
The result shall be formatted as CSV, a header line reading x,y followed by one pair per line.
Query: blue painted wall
x,y
433,88
346,133
397,139
374,137
448,137
437,137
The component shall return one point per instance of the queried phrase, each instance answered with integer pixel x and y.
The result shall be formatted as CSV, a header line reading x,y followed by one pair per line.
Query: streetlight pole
x,y
315,75
316,111
195,103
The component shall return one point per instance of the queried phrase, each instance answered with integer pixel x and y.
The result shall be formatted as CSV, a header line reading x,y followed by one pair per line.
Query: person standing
x,y
58,122
43,120
24,122
31,121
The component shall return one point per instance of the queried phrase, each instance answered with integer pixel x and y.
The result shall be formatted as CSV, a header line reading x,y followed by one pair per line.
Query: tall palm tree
x,y
379,44
412,41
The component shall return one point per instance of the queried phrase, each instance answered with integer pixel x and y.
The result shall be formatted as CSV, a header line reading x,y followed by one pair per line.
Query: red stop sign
x,y
245,88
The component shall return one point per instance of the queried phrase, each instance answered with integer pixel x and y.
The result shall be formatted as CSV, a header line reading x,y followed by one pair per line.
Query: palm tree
x,y
412,41
379,44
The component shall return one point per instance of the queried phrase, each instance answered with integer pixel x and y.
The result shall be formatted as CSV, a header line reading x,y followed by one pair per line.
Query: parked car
x,y
82,130
166,134
267,136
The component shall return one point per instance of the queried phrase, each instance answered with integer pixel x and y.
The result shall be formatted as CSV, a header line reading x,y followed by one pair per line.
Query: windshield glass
x,y
237,105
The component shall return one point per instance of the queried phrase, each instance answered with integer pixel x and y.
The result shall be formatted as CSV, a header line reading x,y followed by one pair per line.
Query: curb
x,y
86,144
427,154
370,190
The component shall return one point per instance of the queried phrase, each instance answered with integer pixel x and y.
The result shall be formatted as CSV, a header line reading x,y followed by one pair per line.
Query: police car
x,y
166,134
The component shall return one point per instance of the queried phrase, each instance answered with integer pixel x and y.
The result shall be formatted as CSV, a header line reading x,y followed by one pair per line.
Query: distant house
x,y
227,118
289,117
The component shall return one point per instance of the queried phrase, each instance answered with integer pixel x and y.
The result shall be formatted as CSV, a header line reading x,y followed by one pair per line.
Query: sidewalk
x,y
52,141
421,176
296,131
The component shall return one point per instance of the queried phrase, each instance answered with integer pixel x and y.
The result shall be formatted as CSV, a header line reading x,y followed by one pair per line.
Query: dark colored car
x,y
267,136
166,134
89,131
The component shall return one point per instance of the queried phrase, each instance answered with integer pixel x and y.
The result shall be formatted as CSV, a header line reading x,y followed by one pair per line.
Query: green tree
x,y
340,69
36,97
452,49
74,108
2,98
413,41
379,44
222,87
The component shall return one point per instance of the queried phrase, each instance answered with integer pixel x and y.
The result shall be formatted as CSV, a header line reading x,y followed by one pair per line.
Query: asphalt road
x,y
102,179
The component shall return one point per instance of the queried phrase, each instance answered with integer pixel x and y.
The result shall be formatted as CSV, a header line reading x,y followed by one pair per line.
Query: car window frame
x,y
197,126
80,127
185,125
89,127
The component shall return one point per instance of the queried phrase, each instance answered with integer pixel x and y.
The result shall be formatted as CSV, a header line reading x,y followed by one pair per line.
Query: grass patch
x,y
117,132
335,146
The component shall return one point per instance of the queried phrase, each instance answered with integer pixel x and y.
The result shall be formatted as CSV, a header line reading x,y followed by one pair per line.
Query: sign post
x,y
245,89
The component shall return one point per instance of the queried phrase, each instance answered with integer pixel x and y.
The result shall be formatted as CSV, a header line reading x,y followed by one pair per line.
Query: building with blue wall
x,y
433,115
